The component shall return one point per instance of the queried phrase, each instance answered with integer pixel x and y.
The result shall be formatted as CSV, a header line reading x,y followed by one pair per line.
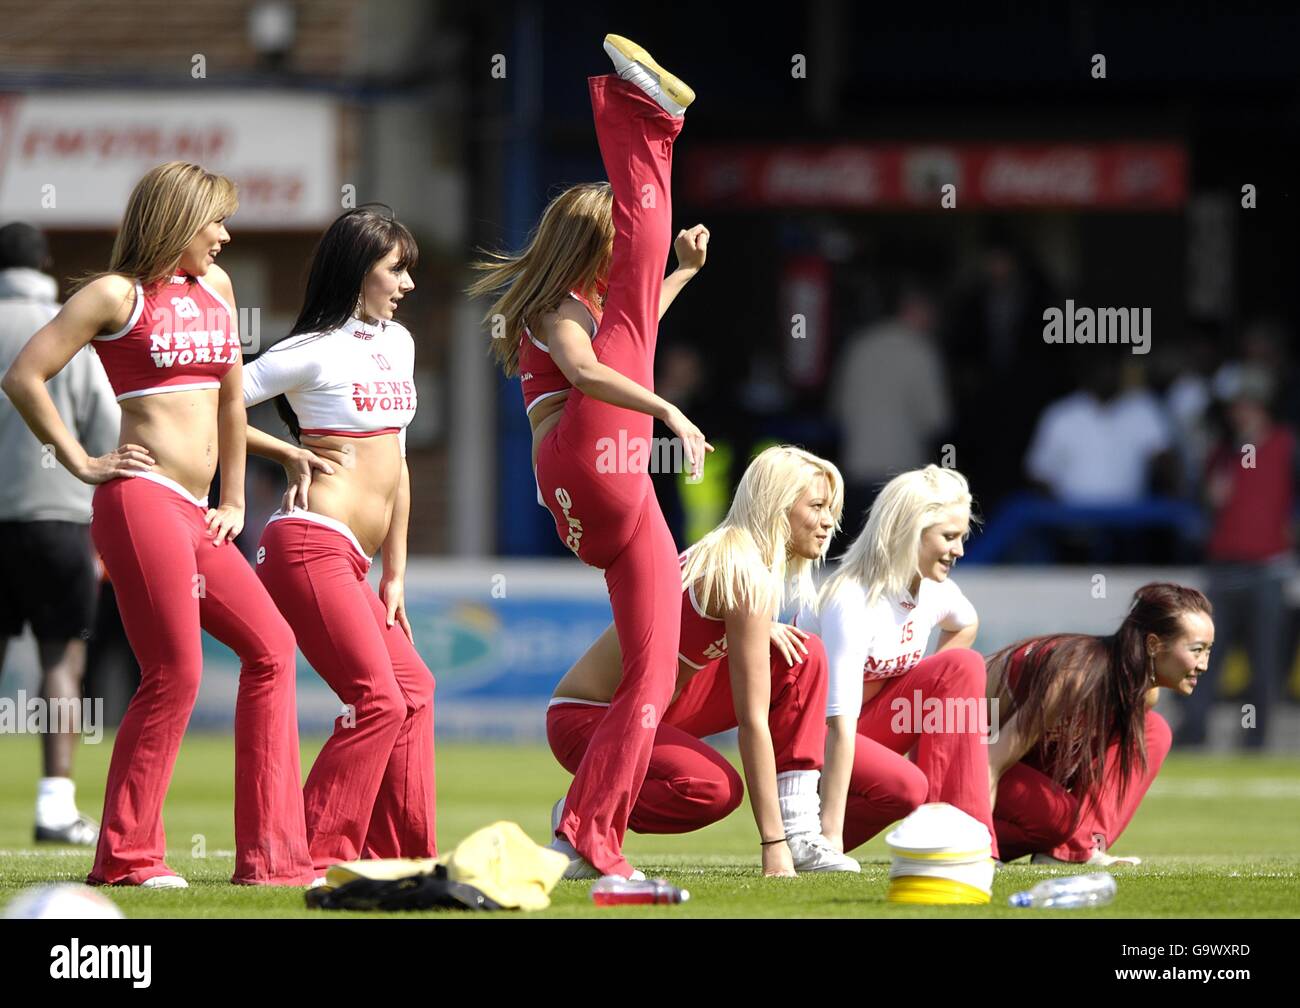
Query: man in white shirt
x,y
1099,445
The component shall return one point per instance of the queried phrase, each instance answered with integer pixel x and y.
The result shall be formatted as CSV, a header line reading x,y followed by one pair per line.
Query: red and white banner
x,y
70,159
1135,176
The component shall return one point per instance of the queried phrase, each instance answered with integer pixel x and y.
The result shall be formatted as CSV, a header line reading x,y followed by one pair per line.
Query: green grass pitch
x,y
1220,837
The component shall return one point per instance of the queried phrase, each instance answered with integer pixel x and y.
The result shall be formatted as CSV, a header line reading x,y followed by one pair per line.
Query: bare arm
x,y
692,248
963,638
260,443
672,286
394,547
570,348
841,738
101,306
226,520
846,633
299,465
749,660
1013,741
391,585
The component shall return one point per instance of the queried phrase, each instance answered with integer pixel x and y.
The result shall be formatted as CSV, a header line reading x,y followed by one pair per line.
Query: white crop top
x,y
356,381
881,641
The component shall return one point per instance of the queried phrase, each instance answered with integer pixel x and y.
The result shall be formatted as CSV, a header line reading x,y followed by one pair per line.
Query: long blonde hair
x,y
744,562
883,558
569,248
166,209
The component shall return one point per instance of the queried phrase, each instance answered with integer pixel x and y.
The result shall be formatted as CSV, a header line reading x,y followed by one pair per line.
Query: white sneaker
x,y
579,866
638,67
812,852
82,831
164,882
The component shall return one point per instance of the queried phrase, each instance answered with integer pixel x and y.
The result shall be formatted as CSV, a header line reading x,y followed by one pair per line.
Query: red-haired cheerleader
x,y
579,325
163,323
1079,744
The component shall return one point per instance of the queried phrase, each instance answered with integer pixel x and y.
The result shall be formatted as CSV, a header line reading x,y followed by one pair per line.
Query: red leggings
x,y
170,581
1034,814
371,790
689,785
951,764
611,520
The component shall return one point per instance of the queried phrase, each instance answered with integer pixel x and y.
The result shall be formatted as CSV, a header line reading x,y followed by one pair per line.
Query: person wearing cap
x,y
1250,491
47,563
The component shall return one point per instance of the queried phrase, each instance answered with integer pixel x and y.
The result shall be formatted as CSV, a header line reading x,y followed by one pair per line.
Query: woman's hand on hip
x,y
299,472
128,460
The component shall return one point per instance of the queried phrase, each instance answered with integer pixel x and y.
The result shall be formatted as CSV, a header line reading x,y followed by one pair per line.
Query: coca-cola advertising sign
x,y
1138,176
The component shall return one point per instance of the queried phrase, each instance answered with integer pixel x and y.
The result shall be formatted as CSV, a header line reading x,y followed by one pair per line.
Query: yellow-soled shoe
x,y
637,66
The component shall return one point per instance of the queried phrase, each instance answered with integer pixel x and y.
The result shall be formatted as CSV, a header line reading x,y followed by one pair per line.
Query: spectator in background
x,y
1107,444
1187,402
890,399
1003,372
1263,345
1102,444
1249,486
47,563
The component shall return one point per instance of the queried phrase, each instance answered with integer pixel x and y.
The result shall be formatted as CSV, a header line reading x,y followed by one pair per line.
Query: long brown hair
x,y
344,257
569,248
1078,693
167,208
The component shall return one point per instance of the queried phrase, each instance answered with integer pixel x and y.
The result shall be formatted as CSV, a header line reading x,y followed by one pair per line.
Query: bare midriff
x,y
596,675
179,430
362,489
543,418
597,681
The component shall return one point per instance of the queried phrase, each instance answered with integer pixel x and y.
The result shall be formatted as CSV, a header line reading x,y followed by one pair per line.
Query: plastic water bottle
x,y
1069,893
611,890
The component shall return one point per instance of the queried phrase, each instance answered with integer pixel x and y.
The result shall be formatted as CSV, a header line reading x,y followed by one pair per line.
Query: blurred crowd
x,y
1077,454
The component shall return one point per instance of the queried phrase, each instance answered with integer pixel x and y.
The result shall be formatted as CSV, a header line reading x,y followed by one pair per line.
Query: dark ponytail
x,y
346,252
1078,693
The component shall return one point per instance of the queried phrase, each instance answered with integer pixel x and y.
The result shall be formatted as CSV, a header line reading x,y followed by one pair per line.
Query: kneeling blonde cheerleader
x,y
737,668
877,612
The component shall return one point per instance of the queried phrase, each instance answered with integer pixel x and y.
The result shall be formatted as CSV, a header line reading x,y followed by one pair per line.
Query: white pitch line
x,y
1284,788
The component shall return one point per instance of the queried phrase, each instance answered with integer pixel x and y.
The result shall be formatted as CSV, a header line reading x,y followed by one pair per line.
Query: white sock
x,y
801,807
56,802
